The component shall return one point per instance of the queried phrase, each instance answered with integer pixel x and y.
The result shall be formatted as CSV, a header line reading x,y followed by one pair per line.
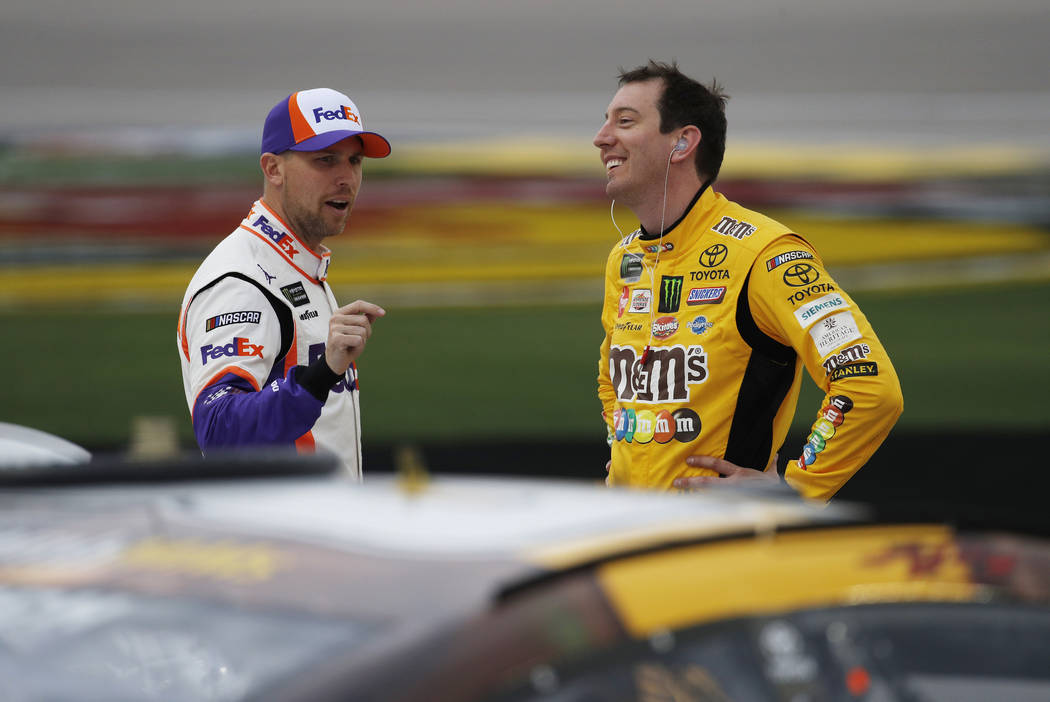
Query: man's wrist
x,y
317,378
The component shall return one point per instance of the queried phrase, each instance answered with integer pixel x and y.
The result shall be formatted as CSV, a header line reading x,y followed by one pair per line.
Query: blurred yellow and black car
x,y
150,586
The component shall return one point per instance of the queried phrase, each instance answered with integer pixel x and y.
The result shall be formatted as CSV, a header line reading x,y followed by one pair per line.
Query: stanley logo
x,y
852,370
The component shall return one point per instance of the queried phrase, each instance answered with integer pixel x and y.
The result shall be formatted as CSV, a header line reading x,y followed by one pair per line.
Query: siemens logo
x,y
221,320
818,308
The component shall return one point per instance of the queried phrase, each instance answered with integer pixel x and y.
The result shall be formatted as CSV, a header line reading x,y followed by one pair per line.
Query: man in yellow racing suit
x,y
711,310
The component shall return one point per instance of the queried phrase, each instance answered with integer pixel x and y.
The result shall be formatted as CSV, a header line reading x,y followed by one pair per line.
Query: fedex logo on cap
x,y
238,347
344,112
315,119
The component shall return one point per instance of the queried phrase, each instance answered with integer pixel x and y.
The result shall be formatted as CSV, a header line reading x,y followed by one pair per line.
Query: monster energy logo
x,y
670,293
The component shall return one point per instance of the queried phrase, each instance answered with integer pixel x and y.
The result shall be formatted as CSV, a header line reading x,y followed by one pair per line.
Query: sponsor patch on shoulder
x,y
241,317
799,275
857,352
811,312
852,370
786,257
832,332
737,229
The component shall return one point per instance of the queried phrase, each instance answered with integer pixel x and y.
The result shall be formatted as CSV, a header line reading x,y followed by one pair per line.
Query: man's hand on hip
x,y
728,473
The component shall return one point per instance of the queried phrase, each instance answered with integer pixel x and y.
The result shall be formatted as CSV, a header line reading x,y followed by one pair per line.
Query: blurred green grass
x,y
968,359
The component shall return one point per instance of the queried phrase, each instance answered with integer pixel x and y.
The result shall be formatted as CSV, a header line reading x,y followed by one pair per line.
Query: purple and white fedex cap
x,y
311,120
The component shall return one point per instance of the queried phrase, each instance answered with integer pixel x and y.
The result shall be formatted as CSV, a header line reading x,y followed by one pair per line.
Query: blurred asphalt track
x,y
898,91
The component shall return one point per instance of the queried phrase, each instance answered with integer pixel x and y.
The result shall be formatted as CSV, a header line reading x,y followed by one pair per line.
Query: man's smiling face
x,y
632,148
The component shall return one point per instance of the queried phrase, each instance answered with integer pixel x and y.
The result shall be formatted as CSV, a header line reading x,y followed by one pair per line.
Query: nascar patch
x,y
242,317
786,257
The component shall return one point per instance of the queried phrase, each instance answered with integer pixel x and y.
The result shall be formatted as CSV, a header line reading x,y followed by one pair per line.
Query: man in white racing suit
x,y
267,353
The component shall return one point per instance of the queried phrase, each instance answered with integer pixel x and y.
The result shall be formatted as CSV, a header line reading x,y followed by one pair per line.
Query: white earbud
x,y
682,145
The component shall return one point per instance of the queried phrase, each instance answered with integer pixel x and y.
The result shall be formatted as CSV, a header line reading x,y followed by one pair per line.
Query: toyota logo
x,y
800,274
713,255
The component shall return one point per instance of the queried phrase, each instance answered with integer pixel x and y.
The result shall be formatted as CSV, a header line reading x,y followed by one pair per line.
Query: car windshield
x,y
58,644
914,652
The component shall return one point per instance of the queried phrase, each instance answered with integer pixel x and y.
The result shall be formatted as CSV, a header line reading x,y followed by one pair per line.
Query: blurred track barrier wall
x,y
524,223
492,262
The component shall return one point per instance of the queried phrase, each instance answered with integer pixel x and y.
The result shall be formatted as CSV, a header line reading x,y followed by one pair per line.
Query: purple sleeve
x,y
229,412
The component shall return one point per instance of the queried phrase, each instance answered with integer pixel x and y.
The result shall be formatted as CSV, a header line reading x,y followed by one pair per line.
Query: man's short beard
x,y
307,226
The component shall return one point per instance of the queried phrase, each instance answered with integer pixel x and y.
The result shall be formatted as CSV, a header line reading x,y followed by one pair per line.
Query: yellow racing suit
x,y
730,305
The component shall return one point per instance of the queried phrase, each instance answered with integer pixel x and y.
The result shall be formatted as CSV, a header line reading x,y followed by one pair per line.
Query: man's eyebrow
x,y
623,109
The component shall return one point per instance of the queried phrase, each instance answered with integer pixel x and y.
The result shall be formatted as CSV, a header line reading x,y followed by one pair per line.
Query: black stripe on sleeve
x,y
284,315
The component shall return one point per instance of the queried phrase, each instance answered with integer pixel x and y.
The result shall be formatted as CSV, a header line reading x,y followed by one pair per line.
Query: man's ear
x,y
272,167
687,144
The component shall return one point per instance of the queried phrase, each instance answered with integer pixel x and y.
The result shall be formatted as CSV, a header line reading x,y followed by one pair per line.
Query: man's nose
x,y
348,174
604,137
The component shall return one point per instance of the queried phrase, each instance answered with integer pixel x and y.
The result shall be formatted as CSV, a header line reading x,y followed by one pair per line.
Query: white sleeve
x,y
230,327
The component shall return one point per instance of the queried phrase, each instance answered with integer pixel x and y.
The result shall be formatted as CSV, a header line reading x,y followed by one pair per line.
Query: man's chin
x,y
617,191
335,227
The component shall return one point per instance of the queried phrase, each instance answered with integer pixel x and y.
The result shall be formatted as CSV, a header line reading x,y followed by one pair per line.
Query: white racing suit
x,y
251,339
